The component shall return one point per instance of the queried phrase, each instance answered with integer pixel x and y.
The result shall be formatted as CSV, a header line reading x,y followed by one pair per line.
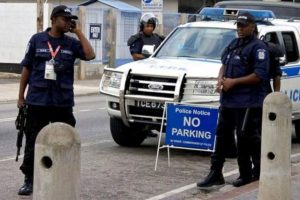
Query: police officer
x,y
143,44
243,84
48,70
275,52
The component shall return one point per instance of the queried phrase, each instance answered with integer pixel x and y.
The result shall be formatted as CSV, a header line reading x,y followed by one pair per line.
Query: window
x,y
272,37
291,47
197,42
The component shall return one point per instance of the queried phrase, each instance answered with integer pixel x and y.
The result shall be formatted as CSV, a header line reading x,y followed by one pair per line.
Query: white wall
x,y
169,5
18,23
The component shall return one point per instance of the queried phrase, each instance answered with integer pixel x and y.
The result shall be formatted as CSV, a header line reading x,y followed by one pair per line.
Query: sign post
x,y
40,15
189,127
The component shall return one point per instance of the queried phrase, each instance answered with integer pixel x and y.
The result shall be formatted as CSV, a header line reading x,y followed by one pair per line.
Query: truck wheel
x,y
126,136
297,129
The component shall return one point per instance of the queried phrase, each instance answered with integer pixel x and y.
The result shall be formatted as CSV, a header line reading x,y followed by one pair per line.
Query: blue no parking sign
x,y
191,126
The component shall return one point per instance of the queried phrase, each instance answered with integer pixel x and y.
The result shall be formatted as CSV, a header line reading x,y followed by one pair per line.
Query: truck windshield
x,y
197,42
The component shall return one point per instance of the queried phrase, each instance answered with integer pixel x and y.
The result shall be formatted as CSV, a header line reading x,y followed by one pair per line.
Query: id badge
x,y
148,49
49,71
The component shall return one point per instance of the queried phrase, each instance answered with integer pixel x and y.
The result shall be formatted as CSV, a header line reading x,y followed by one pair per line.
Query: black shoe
x,y
27,187
241,181
214,178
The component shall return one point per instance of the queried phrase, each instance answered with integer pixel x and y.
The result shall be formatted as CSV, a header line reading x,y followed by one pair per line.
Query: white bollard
x,y
275,175
57,163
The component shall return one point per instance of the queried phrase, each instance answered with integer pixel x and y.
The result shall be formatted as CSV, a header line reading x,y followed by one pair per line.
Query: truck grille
x,y
152,86
152,91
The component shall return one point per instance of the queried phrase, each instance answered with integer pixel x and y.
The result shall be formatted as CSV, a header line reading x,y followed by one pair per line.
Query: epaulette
x,y
133,38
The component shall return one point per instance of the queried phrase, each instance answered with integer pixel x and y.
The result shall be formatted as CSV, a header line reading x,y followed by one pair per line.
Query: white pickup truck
x,y
185,68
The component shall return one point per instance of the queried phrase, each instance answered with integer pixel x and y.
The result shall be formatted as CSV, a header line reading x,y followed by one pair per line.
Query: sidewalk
x,y
250,191
9,87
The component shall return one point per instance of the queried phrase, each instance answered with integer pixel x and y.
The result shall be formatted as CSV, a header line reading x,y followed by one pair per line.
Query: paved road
x,y
109,171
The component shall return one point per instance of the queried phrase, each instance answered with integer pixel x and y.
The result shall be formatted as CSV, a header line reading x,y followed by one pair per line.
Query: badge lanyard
x,y
53,53
49,67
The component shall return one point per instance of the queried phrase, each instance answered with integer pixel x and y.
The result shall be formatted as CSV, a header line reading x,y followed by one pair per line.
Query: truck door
x,y
290,80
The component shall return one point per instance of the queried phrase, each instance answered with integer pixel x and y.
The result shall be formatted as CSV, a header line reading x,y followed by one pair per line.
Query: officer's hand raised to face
x,y
74,26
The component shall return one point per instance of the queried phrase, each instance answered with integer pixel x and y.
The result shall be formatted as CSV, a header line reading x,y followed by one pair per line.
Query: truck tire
x,y
126,136
297,129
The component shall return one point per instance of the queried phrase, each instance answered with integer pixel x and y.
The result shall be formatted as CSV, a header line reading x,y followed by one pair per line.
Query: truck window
x,y
272,37
291,47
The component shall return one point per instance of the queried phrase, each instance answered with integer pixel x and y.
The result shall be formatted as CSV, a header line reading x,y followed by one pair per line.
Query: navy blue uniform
x,y
275,52
48,100
242,58
137,41
45,92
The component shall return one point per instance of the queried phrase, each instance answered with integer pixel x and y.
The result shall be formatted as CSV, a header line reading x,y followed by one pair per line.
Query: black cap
x,y
245,18
62,10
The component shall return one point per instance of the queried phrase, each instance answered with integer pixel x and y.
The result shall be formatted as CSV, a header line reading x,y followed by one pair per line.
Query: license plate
x,y
147,104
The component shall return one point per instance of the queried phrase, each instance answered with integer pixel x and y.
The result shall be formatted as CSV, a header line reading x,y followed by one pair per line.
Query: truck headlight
x,y
115,80
110,82
111,79
205,87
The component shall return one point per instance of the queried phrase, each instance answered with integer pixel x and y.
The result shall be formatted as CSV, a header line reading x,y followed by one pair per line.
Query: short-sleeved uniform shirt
x,y
137,41
44,92
275,52
241,58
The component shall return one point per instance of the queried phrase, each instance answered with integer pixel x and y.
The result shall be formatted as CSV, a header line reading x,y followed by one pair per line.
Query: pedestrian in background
x,y
48,71
143,44
243,84
275,53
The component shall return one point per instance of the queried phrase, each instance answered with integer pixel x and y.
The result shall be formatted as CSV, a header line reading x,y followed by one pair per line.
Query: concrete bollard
x,y
57,163
275,175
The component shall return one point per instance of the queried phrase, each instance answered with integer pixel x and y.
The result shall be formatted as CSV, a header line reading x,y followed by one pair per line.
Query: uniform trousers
x,y
37,118
248,135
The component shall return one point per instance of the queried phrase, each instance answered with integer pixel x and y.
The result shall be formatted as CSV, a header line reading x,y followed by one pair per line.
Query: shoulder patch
x,y
261,54
133,38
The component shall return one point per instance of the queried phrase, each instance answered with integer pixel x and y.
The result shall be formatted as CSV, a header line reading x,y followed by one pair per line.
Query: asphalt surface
x,y
128,179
